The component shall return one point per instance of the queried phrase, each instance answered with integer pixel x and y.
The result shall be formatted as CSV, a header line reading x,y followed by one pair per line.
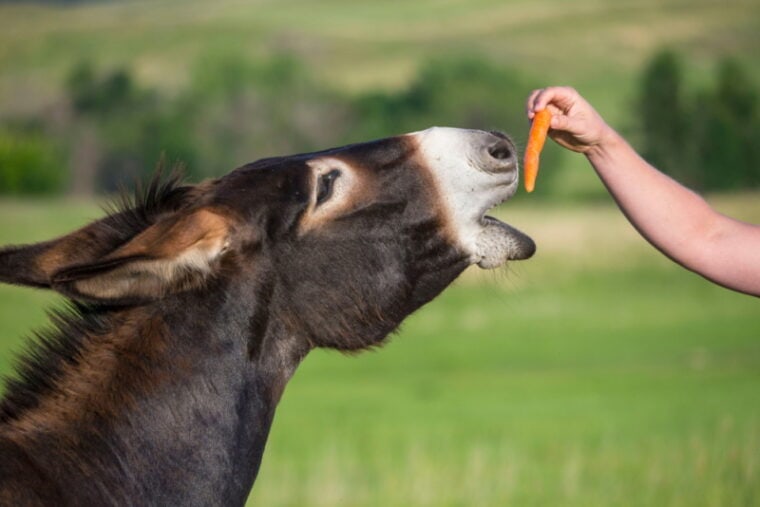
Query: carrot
x,y
536,139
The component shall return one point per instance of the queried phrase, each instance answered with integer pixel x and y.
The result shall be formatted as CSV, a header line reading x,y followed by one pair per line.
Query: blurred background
x,y
597,373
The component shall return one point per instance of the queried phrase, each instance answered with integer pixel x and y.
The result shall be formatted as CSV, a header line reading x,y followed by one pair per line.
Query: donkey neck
x,y
170,406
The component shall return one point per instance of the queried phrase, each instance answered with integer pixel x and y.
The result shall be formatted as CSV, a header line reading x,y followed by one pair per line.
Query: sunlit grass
x,y
578,378
598,373
609,387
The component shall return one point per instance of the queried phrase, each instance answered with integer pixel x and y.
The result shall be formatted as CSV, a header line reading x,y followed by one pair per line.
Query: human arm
x,y
671,217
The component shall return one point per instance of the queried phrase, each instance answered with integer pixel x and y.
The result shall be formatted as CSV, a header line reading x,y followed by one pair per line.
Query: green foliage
x,y
467,93
110,93
241,110
727,130
663,113
29,164
708,140
235,110
136,140
135,127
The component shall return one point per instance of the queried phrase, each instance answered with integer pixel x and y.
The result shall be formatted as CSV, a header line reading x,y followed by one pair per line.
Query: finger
x,y
543,98
529,104
560,96
546,97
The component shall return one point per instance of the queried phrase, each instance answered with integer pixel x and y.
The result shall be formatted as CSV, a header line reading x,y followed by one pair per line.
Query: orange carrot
x,y
536,139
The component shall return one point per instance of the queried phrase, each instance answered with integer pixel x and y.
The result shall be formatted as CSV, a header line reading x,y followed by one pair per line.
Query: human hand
x,y
575,123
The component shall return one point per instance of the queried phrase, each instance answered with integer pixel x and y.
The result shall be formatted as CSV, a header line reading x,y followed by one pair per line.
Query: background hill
x,y
595,45
341,52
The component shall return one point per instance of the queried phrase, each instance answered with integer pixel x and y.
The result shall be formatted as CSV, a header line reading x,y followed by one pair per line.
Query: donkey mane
x,y
132,212
45,355
50,349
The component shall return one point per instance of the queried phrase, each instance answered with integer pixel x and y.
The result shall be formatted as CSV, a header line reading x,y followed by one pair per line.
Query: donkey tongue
x,y
499,242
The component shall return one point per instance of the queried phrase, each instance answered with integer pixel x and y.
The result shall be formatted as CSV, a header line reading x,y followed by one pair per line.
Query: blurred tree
x,y
727,129
708,142
120,130
100,94
134,142
29,164
467,93
244,110
662,113
236,110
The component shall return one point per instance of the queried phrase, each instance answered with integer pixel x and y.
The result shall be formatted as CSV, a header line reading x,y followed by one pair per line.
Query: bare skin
x,y
675,220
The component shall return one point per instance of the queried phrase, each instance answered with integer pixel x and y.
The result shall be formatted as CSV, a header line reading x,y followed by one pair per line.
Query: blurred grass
x,y
597,373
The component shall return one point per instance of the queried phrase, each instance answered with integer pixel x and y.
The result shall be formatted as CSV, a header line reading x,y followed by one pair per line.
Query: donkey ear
x,y
170,256
34,265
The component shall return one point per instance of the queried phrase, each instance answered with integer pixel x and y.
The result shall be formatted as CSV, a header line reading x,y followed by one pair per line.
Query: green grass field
x,y
597,373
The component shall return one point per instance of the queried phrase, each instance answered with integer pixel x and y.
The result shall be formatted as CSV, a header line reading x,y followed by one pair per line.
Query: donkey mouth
x,y
476,171
499,242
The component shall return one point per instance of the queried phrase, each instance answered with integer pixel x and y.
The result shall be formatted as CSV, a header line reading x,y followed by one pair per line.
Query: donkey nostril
x,y
500,151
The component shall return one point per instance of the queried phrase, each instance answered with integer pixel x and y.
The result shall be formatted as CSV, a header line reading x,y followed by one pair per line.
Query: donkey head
x,y
339,246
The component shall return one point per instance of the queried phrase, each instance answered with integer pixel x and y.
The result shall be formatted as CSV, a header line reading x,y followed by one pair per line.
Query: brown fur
x,y
192,306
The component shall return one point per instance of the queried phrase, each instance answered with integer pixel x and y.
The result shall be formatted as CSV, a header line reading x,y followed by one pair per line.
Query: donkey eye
x,y
325,185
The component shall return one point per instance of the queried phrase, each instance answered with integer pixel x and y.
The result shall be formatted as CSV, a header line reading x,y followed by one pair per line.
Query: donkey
x,y
192,305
